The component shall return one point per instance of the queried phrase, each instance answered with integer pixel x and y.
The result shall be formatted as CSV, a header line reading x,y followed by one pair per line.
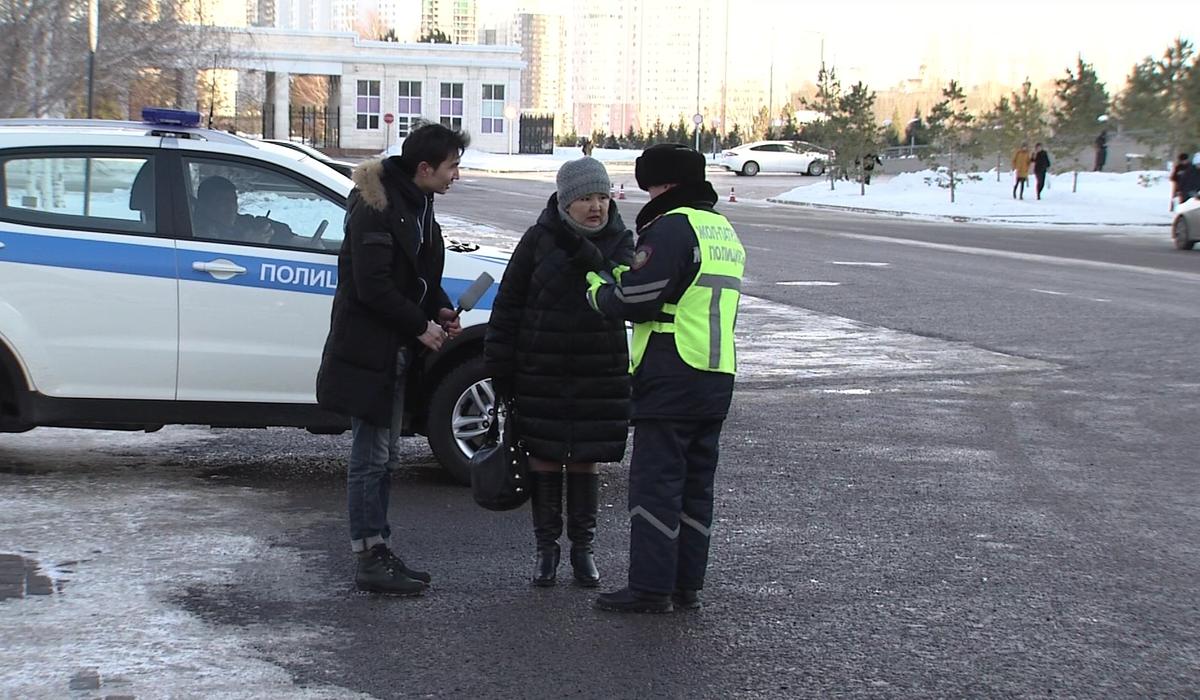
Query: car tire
x,y
750,168
1181,235
816,168
459,414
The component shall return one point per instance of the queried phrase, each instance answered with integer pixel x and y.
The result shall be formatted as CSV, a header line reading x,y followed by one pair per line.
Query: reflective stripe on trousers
x,y
671,503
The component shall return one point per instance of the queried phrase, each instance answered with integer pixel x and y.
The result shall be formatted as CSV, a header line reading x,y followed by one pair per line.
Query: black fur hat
x,y
668,163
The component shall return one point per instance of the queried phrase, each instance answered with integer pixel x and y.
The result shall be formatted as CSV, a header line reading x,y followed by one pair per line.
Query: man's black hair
x,y
432,143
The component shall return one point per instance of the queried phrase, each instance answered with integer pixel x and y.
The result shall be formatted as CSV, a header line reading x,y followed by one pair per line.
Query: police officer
x,y
682,293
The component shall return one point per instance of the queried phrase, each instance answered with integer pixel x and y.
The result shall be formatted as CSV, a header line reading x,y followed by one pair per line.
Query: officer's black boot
x,y
583,500
546,504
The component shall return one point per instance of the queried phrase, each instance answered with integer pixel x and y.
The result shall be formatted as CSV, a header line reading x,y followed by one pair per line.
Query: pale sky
x,y
885,41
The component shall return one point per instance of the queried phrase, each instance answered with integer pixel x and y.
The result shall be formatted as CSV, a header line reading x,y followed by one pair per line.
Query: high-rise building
x,y
635,62
454,18
544,82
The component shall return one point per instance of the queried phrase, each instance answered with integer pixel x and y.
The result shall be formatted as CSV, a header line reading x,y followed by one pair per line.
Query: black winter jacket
x,y
389,288
568,366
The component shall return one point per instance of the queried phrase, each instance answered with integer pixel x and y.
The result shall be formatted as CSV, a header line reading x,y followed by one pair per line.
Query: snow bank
x,y
1133,198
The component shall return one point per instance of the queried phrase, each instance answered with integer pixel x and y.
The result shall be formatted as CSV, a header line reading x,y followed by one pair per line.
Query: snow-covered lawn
x,y
1134,198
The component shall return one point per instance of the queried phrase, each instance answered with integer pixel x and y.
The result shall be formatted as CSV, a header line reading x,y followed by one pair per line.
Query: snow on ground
x,y
116,545
1133,198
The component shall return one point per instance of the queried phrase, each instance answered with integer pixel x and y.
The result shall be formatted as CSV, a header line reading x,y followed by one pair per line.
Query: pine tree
x,y
951,129
860,136
916,133
761,126
998,131
1162,100
828,130
892,136
1029,114
1080,101
787,115
734,137
657,134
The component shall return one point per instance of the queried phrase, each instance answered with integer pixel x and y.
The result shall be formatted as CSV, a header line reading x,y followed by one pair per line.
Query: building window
x,y
367,105
408,108
493,109
451,108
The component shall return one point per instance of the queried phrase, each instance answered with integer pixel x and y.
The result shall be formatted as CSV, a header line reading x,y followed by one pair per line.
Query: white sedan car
x,y
775,157
1185,230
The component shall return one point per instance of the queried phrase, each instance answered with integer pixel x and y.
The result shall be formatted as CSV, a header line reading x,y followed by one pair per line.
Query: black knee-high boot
x,y
583,500
546,504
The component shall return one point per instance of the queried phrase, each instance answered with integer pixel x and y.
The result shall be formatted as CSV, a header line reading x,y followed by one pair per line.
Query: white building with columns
x,y
470,87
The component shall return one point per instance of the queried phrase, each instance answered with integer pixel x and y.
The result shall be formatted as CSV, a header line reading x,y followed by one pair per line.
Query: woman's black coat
x,y
567,365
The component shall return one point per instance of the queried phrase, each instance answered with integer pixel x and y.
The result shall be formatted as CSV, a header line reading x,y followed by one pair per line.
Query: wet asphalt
x,y
987,532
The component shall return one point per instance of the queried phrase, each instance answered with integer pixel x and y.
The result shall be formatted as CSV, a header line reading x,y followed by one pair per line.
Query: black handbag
x,y
500,468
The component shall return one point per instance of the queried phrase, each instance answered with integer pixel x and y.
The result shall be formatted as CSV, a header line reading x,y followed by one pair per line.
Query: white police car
x,y
130,299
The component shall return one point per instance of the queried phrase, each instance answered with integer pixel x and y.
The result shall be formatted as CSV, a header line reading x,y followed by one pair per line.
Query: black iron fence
x,y
536,133
319,127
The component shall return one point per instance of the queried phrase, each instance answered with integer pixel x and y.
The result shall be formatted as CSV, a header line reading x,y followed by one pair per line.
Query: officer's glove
x,y
596,280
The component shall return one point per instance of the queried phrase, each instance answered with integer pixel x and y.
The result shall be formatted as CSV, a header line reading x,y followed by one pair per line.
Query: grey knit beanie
x,y
579,178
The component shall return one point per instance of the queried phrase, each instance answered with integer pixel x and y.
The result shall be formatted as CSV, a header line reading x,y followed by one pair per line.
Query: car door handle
x,y
220,268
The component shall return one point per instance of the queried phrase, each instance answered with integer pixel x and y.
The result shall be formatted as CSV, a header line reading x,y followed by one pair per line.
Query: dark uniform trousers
x,y
671,503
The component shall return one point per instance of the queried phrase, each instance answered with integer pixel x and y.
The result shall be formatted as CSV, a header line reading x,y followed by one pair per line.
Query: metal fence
x,y
319,127
536,133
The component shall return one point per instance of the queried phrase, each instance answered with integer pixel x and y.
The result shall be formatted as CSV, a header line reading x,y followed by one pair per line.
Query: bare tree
x,y
44,45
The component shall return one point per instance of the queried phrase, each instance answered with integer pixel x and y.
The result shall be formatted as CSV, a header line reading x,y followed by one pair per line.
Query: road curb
x,y
951,217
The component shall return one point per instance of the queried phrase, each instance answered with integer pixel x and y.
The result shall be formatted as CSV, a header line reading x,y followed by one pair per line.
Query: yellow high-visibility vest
x,y
703,320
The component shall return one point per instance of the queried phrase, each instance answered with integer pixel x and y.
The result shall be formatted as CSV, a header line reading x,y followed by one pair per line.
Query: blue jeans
x,y
373,455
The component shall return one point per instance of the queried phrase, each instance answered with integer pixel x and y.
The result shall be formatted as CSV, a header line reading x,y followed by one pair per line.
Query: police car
x,y
131,297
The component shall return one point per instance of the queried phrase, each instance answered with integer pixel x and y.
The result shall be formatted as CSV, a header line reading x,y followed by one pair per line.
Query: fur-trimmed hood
x,y
368,178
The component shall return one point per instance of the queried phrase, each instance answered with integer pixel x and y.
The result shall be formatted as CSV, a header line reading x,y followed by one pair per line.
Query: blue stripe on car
x,y
84,254
159,261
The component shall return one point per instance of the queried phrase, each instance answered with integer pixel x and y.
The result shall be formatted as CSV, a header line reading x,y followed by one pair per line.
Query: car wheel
x,y
1181,235
459,416
750,168
816,168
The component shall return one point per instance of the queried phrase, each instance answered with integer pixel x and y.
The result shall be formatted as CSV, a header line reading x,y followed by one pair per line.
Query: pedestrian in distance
x,y
1020,162
1184,177
1101,150
1041,166
565,367
389,309
869,162
681,293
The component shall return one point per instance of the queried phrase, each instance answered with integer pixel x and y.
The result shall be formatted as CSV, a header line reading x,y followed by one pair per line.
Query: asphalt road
x,y
991,492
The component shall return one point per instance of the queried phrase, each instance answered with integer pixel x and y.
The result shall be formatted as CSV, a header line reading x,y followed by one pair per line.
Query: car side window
x,y
89,192
244,203
765,147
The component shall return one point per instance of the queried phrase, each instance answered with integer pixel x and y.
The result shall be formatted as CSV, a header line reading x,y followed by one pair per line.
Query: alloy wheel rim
x,y
471,417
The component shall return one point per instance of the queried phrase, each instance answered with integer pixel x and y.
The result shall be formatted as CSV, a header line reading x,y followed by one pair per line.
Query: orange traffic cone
x,y
732,196
621,192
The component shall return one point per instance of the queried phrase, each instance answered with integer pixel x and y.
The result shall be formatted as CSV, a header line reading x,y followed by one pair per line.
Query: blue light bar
x,y
173,117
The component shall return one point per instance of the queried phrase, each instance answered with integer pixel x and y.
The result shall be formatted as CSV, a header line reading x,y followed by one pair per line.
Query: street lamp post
x,y
93,39
510,112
